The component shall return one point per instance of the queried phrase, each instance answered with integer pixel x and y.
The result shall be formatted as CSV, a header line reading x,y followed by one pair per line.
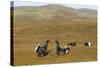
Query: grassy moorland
x,y
34,25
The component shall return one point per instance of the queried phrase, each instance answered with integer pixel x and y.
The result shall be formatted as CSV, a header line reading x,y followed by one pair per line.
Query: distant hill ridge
x,y
52,12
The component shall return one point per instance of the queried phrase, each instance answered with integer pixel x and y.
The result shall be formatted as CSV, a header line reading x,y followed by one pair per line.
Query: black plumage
x,y
42,50
61,51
